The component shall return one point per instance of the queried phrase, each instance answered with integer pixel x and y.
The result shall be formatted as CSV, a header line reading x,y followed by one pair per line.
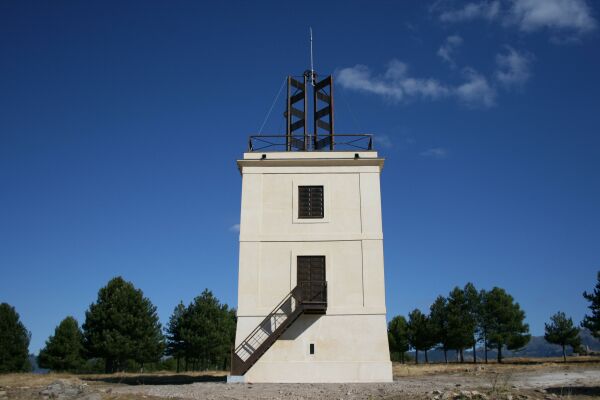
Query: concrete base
x,y
236,379
320,372
347,348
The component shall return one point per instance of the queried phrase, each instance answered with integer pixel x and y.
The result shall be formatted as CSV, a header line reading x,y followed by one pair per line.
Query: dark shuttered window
x,y
310,201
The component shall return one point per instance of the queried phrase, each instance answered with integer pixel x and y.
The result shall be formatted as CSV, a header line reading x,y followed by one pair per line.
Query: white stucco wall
x,y
350,340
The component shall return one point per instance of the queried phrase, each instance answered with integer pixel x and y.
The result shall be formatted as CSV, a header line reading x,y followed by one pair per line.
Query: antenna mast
x,y
312,68
297,118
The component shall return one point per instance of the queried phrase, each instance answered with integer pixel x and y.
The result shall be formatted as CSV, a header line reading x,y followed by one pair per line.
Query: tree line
x,y
460,321
122,332
468,319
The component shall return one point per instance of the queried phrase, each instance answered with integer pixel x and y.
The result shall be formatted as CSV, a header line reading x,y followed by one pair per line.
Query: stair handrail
x,y
296,292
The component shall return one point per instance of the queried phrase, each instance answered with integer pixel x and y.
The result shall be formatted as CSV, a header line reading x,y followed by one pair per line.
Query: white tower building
x,y
311,295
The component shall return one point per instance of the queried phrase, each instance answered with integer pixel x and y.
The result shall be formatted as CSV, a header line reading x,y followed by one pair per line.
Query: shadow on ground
x,y
158,379
541,361
592,391
520,361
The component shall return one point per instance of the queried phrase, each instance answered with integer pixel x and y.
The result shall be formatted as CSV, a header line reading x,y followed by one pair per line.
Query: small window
x,y
310,201
312,348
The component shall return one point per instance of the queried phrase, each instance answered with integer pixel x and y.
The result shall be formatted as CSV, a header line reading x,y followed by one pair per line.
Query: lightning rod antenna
x,y
312,68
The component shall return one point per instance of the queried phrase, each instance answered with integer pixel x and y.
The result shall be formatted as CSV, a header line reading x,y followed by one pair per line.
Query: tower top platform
x,y
311,159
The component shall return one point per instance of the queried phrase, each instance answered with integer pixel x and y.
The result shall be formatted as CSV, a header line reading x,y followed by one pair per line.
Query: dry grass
x,y
24,380
498,381
509,366
28,380
413,382
400,370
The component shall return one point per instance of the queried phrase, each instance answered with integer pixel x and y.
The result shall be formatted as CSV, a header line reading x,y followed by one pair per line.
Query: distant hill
x,y
537,347
35,367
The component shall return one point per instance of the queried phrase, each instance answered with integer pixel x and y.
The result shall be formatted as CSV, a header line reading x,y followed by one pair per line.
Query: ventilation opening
x,y
312,348
310,201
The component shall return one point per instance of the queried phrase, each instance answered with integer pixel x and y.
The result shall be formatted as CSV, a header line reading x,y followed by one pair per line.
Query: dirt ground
x,y
519,379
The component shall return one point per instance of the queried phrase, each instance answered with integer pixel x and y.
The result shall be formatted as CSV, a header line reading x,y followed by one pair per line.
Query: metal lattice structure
x,y
323,117
296,113
296,118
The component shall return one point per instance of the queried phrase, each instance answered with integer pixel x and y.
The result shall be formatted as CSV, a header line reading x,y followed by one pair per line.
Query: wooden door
x,y
311,278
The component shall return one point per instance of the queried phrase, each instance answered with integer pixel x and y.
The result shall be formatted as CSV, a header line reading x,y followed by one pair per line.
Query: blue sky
x,y
120,125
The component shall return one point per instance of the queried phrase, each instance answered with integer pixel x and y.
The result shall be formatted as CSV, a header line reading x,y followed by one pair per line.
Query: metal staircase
x,y
308,297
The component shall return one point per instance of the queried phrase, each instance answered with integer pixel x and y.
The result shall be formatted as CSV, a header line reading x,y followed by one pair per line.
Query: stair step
x,y
240,366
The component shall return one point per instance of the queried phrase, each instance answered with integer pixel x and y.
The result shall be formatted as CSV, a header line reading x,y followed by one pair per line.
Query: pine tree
x,y
505,325
398,336
592,321
208,332
14,341
438,316
122,325
563,332
64,350
461,322
484,322
175,343
473,299
420,333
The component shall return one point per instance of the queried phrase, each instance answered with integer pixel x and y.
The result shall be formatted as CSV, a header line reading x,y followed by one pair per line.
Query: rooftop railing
x,y
310,142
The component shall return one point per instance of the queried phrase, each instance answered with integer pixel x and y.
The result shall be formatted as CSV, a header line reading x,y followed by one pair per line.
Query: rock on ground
x,y
64,389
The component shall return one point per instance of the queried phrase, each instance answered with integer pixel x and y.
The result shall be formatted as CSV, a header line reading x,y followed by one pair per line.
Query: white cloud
x,y
570,15
359,78
564,17
476,91
435,152
234,228
447,50
384,141
483,10
514,68
394,84
397,85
